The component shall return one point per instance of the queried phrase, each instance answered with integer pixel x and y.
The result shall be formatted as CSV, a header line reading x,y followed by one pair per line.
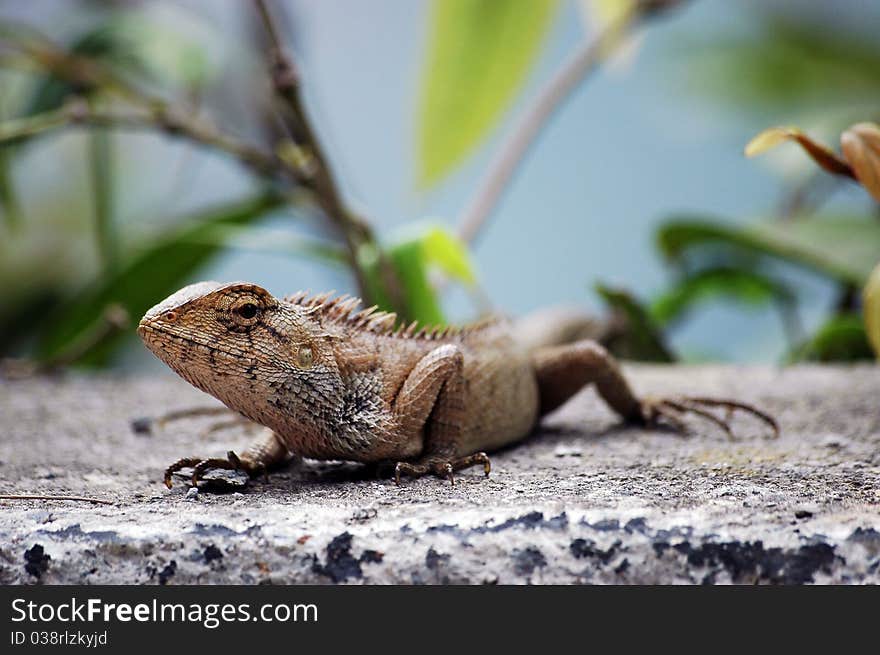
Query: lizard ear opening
x,y
305,357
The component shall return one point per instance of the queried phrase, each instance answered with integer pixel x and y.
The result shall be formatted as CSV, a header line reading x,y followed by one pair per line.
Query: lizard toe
x,y
671,411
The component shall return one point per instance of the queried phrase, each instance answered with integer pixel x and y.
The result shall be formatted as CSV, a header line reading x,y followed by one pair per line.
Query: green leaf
x,y
783,64
368,262
841,339
422,303
413,253
744,286
842,248
449,253
479,54
641,338
871,308
146,278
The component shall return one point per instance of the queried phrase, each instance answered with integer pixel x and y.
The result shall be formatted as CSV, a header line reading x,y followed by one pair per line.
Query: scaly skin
x,y
332,382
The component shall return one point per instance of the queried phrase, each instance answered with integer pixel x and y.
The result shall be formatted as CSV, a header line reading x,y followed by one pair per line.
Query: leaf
x,y
600,16
146,278
449,253
605,12
413,253
410,263
841,339
641,338
742,285
822,155
783,63
842,248
871,309
479,55
861,147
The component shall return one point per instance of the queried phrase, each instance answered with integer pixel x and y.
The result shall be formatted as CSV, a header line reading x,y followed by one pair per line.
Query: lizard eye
x,y
246,310
304,357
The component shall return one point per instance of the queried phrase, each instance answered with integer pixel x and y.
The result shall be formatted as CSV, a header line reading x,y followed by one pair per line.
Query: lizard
x,y
329,380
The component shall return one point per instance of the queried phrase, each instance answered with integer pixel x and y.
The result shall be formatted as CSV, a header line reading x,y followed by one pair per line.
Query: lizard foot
x,y
201,465
442,468
671,411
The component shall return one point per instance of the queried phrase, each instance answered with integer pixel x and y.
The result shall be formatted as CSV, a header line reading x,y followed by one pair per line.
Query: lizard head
x,y
266,358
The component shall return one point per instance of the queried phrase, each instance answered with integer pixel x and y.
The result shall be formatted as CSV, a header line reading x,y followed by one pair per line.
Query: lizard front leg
x,y
266,452
431,403
562,371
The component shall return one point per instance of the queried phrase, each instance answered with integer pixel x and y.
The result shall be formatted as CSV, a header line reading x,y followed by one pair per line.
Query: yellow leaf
x,y
605,12
871,308
861,147
770,138
822,155
600,15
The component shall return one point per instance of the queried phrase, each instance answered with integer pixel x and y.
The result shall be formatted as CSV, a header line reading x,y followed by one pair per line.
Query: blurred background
x,y
634,198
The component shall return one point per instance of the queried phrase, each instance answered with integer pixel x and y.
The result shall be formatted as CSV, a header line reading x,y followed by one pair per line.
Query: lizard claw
x,y
671,410
442,468
201,465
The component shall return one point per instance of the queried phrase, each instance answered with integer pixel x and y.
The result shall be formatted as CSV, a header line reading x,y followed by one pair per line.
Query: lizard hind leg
x,y
263,454
564,370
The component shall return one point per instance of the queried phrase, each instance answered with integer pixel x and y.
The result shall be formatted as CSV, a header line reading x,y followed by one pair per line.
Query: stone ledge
x,y
584,500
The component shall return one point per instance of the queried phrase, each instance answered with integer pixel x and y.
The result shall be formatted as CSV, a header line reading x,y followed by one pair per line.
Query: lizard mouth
x,y
158,336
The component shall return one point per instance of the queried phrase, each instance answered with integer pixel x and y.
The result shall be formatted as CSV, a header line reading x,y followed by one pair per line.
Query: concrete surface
x,y
583,501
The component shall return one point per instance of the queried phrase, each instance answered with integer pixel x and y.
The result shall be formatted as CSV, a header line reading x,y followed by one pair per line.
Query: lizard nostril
x,y
170,316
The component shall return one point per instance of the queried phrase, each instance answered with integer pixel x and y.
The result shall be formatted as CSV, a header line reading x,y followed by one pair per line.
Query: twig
x,y
81,499
160,119
584,61
808,196
298,158
355,230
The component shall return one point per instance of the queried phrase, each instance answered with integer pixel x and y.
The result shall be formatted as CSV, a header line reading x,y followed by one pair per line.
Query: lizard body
x,y
331,381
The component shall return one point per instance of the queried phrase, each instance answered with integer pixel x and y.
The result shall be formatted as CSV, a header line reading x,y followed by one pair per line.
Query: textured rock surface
x,y
583,501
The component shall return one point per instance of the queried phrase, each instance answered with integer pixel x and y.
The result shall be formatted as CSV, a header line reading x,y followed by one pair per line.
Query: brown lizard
x,y
331,381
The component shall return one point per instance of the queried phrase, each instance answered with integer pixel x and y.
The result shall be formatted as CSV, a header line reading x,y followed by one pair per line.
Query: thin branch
x,y
580,64
87,74
355,230
80,499
808,196
22,129
285,80
300,158
160,119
